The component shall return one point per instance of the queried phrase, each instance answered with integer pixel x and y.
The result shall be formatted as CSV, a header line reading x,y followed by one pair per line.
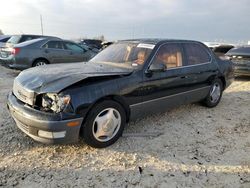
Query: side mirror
x,y
157,67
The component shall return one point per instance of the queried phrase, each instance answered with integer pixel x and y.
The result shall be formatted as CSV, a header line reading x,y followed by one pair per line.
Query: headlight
x,y
54,102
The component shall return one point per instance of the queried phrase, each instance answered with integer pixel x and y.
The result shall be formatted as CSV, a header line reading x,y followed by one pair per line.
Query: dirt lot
x,y
198,147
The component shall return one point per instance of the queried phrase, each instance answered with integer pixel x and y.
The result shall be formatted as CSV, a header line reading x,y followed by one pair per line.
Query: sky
x,y
205,20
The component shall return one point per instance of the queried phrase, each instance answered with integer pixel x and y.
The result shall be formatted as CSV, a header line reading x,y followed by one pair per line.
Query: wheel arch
x,y
116,98
222,78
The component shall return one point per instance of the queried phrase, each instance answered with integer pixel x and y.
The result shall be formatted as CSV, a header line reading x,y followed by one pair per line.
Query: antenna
x,y
41,20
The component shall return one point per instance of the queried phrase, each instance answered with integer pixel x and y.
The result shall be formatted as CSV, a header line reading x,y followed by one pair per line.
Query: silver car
x,y
43,51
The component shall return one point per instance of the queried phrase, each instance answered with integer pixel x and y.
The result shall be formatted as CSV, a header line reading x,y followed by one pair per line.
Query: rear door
x,y
199,70
54,51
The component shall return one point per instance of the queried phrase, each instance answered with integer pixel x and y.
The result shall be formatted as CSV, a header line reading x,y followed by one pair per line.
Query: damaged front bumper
x,y
44,127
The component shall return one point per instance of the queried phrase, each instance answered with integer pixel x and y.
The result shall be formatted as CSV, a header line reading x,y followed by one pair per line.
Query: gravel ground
x,y
198,147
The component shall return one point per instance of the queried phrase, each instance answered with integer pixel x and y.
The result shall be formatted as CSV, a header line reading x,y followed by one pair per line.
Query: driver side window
x,y
169,55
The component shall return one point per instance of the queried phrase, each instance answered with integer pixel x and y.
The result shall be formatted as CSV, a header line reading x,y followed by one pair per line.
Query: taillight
x,y
15,51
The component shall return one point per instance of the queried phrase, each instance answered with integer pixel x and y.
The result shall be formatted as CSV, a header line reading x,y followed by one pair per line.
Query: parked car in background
x,y
16,39
241,60
43,51
220,49
106,44
4,39
95,50
125,81
92,43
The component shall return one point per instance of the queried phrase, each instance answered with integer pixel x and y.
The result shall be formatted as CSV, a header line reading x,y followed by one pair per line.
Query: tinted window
x,y
26,38
4,39
54,45
170,55
73,47
196,54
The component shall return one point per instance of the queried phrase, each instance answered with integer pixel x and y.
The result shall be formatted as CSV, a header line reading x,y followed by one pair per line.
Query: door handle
x,y
183,77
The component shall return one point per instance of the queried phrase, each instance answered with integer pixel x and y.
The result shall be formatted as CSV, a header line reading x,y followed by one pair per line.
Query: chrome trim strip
x,y
132,105
180,67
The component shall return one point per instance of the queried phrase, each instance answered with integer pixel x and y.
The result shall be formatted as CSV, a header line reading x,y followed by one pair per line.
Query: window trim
x,y
184,55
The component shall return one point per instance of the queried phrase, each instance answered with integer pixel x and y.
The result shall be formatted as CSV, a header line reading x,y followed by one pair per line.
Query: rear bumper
x,y
13,63
43,127
6,61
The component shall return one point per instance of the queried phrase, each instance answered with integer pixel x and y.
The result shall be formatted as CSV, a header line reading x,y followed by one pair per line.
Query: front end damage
x,y
41,106
43,126
45,117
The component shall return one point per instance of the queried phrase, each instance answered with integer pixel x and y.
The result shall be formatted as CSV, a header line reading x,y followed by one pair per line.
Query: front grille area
x,y
23,94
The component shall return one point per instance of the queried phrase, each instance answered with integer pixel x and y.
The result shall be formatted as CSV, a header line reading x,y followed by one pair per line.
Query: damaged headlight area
x,y
54,102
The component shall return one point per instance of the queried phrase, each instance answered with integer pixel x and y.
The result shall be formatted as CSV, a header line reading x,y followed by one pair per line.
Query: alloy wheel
x,y
40,63
215,93
106,124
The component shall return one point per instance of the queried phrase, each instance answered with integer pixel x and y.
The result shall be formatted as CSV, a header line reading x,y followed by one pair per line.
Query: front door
x,y
162,87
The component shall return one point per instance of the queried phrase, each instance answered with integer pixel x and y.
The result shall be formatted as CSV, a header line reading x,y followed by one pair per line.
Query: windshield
x,y
14,39
124,54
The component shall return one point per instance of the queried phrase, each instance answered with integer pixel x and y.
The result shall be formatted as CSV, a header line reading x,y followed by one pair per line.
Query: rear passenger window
x,y
54,45
25,38
196,54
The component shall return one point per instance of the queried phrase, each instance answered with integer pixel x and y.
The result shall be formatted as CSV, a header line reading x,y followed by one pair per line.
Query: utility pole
x,y
41,20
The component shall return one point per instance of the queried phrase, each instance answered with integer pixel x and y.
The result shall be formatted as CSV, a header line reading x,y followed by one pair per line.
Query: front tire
x,y
214,96
104,124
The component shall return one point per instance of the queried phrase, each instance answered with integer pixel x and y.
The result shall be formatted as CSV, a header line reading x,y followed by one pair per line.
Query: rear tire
x,y
104,124
40,62
214,96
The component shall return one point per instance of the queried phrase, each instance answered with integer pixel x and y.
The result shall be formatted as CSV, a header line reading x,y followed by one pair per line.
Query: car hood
x,y
54,78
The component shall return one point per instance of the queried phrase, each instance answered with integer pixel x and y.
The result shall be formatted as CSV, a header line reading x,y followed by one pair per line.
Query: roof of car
x,y
28,42
157,40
